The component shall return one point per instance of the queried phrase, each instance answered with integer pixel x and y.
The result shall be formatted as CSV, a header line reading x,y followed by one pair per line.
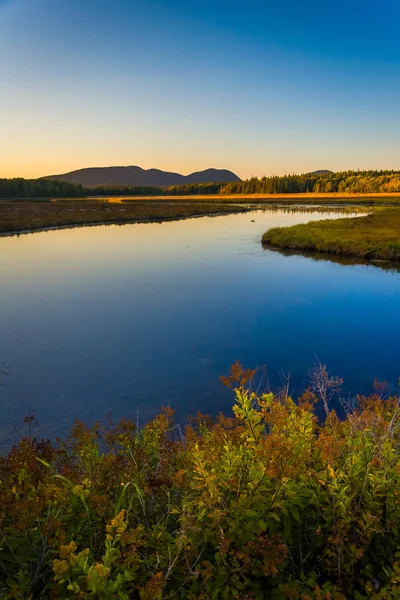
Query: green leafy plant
x,y
268,503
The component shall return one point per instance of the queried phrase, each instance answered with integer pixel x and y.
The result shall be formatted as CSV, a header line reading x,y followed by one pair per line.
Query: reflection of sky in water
x,y
123,317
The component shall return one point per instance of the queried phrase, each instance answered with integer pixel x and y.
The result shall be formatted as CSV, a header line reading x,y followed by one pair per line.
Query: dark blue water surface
x,y
133,317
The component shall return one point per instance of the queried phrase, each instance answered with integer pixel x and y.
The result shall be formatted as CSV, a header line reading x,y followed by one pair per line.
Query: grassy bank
x,y
309,198
266,504
22,215
376,236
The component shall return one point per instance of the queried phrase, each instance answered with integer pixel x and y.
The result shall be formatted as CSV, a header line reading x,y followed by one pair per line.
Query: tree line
x,y
39,188
361,182
54,188
187,189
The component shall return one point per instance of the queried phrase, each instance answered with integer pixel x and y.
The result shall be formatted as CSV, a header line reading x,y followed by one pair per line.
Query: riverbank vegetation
x,y
29,215
269,503
375,236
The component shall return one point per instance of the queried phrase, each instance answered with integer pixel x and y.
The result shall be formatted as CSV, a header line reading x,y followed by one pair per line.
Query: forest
x,y
39,188
47,188
355,182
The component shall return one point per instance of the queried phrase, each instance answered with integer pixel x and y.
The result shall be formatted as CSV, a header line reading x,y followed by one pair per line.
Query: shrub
x,y
268,503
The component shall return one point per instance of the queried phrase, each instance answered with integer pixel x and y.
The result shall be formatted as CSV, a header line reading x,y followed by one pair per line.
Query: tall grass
x,y
375,236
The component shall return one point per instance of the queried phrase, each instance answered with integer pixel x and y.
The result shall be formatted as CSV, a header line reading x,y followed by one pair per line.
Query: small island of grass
x,y
373,237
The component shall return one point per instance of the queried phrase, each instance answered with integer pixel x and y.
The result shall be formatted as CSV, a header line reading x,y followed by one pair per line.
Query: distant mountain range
x,y
135,176
320,172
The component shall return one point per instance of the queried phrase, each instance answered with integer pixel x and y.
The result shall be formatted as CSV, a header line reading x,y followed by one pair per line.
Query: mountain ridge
x,y
136,176
320,172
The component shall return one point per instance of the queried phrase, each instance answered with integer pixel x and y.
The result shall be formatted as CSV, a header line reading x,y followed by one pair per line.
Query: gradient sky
x,y
255,86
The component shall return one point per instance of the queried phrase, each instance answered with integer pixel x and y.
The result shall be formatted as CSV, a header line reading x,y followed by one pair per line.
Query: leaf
x,y
262,525
275,516
46,464
287,528
295,513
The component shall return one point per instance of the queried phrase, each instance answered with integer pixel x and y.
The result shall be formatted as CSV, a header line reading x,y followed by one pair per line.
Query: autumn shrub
x,y
268,503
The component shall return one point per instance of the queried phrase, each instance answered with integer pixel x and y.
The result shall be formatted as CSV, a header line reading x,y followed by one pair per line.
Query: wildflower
x,y
66,551
101,570
59,567
80,491
117,525
118,522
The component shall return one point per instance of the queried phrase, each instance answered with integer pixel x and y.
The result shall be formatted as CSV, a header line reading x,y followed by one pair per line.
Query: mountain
x,y
135,176
320,172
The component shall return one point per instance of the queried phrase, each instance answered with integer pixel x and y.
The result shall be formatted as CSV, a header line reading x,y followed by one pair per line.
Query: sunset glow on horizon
x,y
259,88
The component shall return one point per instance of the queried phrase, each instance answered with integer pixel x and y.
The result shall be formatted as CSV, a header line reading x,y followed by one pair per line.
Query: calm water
x,y
127,318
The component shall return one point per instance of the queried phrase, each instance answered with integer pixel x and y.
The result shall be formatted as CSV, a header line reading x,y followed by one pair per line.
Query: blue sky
x,y
256,87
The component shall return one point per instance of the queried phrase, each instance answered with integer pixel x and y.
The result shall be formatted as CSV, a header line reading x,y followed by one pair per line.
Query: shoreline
x,y
277,197
312,196
343,260
374,238
27,231
17,218
225,209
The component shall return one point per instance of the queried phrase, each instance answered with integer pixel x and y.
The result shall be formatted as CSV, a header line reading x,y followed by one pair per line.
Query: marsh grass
x,y
288,199
372,237
24,216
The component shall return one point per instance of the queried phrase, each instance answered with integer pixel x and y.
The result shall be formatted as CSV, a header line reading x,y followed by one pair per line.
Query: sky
x,y
255,86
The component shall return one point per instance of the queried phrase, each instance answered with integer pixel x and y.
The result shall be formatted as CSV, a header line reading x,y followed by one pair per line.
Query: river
x,y
125,319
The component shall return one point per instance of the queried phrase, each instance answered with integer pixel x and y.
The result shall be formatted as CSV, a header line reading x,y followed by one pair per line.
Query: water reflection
x,y
345,261
127,318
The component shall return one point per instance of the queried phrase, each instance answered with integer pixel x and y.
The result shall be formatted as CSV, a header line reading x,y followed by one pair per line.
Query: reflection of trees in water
x,y
343,261
351,211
